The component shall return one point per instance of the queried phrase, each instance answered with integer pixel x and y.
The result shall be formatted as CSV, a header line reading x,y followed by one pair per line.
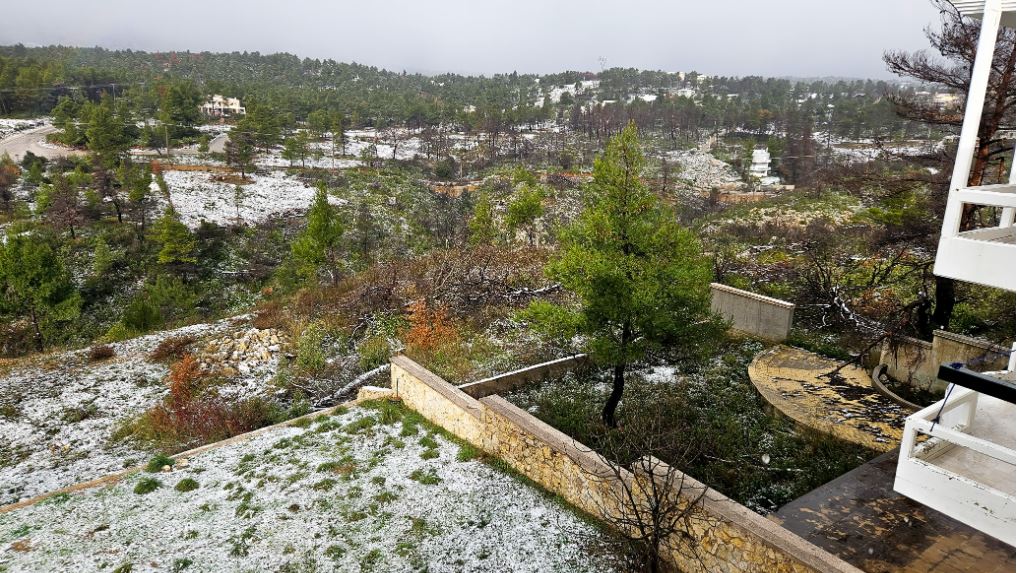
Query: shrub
x,y
172,348
147,485
270,315
374,352
158,462
310,351
101,352
141,315
119,331
430,328
187,484
187,418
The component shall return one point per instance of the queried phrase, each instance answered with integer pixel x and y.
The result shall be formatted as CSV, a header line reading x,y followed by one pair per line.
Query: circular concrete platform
x,y
798,383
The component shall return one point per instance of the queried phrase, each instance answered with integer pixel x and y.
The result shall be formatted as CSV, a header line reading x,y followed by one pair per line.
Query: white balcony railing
x,y
963,465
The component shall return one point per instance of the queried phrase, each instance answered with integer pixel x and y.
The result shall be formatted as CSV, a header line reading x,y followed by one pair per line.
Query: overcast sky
x,y
722,37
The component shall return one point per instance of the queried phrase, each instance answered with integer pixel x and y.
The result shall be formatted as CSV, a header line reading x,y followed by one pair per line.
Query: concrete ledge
x,y
511,380
972,342
753,296
438,384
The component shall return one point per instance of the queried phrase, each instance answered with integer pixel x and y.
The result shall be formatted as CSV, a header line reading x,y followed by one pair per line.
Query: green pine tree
x,y
34,283
524,210
642,281
481,226
317,248
177,245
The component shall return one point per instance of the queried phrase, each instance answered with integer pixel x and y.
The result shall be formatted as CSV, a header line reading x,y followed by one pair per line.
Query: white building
x,y
760,168
958,456
219,106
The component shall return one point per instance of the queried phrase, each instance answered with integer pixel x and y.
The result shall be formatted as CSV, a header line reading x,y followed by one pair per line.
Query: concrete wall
x,y
510,380
916,362
753,313
909,360
725,536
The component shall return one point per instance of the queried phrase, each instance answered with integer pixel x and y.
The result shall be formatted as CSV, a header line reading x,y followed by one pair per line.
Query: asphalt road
x,y
34,140
18,144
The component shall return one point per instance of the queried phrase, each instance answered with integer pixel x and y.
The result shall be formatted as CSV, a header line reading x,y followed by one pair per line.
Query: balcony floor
x,y
994,421
859,518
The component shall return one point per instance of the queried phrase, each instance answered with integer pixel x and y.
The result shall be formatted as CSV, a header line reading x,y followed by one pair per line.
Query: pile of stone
x,y
242,352
704,172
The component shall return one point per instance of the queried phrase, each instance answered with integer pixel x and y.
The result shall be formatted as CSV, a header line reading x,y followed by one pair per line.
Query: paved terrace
x,y
859,518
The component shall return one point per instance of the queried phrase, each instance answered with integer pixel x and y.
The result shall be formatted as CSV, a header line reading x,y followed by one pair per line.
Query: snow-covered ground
x,y
703,171
58,412
345,493
12,126
197,197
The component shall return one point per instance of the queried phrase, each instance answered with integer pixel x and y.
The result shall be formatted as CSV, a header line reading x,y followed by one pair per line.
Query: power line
x,y
79,87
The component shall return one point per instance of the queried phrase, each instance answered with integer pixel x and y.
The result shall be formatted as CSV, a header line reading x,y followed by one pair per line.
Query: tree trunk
x,y
616,393
38,331
945,301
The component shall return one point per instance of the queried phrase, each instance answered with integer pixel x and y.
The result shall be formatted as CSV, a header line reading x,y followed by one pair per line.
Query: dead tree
x,y
956,41
656,506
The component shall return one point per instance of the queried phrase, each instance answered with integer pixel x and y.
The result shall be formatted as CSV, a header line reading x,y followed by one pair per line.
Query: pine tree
x,y
35,283
107,137
102,258
240,151
642,281
177,245
524,210
9,175
318,246
481,226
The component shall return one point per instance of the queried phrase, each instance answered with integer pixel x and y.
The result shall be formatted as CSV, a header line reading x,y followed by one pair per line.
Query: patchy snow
x,y
58,412
703,171
196,197
345,493
12,126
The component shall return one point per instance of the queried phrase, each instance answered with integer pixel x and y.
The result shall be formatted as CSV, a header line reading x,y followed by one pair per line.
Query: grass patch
x,y
187,484
147,485
426,477
158,462
467,452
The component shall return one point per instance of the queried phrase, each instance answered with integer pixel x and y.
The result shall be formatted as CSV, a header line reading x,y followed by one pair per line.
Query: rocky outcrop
x,y
242,352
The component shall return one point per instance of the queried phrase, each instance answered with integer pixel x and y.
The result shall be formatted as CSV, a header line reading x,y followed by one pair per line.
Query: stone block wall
x,y
753,313
726,537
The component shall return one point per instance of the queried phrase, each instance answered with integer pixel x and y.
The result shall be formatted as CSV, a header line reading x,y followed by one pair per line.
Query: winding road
x,y
34,140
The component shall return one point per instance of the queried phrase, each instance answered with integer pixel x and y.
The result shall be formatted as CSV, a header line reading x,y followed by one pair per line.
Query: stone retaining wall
x,y
727,537
916,362
511,380
753,313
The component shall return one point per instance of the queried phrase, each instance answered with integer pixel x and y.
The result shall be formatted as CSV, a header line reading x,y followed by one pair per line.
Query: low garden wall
x,y
752,313
511,380
916,362
727,538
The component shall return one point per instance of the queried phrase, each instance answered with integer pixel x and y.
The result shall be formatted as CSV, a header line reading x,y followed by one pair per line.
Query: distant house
x,y
760,168
219,106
